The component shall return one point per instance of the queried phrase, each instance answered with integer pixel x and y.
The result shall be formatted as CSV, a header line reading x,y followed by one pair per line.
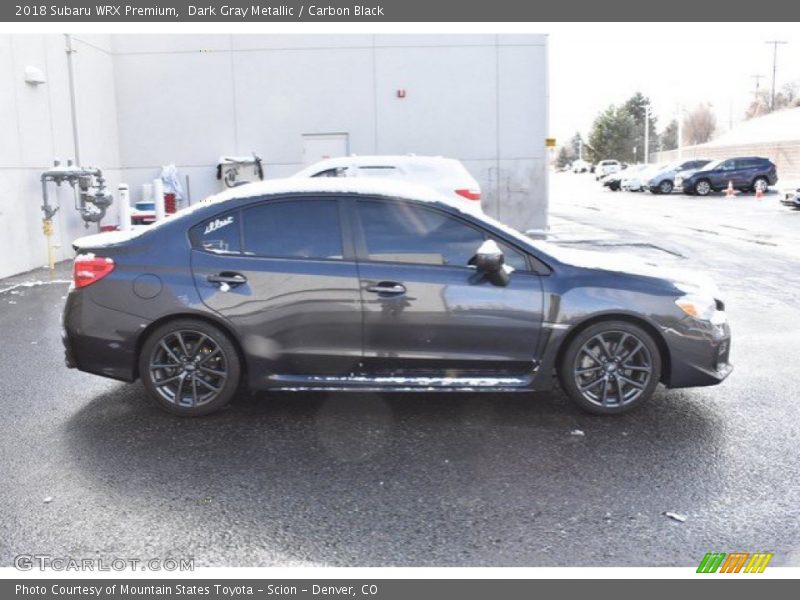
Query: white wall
x,y
35,127
479,98
149,100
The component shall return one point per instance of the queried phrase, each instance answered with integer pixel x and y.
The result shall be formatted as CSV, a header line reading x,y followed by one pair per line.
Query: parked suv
x,y
447,176
747,173
606,167
662,181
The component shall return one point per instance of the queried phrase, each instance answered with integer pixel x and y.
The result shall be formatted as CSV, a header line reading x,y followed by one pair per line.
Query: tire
x,y
760,182
190,367
617,379
614,187
665,187
702,187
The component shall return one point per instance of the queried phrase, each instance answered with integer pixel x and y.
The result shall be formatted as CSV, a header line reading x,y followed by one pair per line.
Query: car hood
x,y
687,173
688,281
663,173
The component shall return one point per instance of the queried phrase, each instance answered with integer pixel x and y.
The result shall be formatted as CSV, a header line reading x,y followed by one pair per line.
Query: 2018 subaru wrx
x,y
376,285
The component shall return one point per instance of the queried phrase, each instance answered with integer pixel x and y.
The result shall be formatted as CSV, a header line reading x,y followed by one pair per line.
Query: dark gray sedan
x,y
373,285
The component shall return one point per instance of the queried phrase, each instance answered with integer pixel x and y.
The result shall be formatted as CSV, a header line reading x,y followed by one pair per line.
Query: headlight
x,y
702,308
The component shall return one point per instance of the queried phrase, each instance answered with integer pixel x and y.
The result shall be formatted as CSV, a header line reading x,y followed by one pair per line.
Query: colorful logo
x,y
734,562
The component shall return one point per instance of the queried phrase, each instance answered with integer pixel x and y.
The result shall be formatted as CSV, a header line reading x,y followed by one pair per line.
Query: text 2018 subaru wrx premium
x,y
375,285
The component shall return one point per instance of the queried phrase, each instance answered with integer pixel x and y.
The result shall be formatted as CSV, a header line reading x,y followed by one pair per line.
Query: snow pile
x,y
780,126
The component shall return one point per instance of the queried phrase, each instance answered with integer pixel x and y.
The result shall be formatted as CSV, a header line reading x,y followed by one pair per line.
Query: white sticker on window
x,y
217,224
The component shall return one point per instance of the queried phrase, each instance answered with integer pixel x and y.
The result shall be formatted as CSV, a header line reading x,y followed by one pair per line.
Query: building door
x,y
319,146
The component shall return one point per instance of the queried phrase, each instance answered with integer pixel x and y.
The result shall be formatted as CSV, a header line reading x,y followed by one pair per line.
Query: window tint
x,y
748,163
337,172
398,232
293,229
219,234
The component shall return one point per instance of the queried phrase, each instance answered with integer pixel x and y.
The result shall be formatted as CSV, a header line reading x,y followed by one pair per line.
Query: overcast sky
x,y
592,66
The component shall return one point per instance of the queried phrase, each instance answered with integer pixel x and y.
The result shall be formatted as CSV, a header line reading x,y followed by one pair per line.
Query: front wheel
x,y
190,367
703,187
610,368
665,187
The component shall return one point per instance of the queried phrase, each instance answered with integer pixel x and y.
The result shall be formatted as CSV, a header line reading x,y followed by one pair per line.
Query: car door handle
x,y
228,278
387,287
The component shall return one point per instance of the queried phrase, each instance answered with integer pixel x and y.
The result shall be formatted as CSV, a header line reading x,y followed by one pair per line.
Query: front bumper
x,y
699,353
791,198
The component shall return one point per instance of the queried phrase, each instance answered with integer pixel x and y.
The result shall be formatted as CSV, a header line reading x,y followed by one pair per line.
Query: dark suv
x,y
746,173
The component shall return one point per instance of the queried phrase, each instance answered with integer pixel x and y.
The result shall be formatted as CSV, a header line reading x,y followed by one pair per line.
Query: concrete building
x,y
143,101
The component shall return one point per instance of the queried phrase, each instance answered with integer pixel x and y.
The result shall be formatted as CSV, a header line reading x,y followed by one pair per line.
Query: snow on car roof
x,y
271,187
378,160
345,185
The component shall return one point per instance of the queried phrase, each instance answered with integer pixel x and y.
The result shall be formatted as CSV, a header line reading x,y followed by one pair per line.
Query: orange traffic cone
x,y
759,193
729,193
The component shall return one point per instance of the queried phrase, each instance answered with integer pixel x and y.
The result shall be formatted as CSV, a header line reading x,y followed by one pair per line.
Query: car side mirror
x,y
490,261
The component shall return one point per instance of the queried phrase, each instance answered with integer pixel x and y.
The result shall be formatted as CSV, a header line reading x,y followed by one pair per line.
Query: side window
x,y
293,229
337,172
513,258
398,232
219,234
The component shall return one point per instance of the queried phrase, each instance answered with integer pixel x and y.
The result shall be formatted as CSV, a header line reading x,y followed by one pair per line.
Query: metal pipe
x,y
73,98
124,207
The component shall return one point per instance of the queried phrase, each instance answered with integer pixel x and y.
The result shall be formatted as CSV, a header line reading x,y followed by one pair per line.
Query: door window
x,y
293,229
399,232
219,234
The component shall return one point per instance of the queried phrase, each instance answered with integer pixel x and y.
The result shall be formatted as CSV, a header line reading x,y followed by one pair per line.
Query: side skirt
x,y
400,384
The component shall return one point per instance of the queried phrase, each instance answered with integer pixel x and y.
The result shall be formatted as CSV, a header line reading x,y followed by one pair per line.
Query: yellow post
x,y
47,227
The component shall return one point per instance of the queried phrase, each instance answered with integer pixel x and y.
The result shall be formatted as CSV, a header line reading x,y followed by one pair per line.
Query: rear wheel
x,y
190,367
610,368
703,187
760,184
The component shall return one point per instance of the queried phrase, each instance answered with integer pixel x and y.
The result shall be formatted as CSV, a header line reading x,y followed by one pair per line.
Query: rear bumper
x,y
99,340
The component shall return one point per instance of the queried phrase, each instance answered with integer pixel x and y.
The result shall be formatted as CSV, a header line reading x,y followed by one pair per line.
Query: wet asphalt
x,y
90,469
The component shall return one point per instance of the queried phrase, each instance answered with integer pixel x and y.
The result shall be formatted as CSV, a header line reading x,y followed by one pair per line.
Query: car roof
x,y
380,160
367,187
341,185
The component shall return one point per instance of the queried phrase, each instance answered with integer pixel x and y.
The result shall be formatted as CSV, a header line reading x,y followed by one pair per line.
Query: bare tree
x,y
699,125
787,97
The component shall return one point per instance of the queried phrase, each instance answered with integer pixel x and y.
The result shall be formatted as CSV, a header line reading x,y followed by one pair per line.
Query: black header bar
x,y
374,11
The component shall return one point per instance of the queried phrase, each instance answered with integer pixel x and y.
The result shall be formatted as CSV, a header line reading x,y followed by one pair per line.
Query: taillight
x,y
89,268
469,194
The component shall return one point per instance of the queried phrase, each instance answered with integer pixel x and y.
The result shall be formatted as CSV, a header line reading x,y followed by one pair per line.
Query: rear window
x,y
219,234
293,229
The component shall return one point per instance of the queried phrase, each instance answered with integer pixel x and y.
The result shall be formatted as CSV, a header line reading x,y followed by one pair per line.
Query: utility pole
x,y
774,68
680,131
647,134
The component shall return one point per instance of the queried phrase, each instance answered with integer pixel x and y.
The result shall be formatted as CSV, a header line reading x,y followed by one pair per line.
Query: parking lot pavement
x,y
91,469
